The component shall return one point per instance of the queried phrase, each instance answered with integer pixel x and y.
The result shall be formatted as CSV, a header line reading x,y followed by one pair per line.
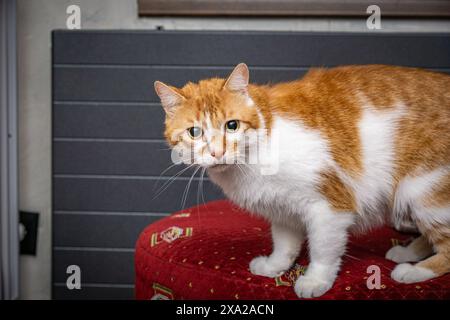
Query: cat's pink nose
x,y
217,153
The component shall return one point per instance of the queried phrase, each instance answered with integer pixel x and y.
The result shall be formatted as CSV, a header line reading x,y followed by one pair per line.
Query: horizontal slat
x,y
96,266
139,121
136,83
112,157
256,48
115,231
92,194
94,292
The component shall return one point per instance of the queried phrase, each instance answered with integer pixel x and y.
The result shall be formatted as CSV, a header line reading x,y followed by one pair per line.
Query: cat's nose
x,y
217,153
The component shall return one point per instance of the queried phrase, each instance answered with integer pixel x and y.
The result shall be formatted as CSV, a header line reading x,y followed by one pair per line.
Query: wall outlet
x,y
29,222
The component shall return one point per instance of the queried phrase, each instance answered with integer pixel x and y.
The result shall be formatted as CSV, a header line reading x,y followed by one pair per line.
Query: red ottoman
x,y
204,253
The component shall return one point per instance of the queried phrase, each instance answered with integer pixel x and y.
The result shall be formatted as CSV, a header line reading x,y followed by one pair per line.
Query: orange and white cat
x,y
356,147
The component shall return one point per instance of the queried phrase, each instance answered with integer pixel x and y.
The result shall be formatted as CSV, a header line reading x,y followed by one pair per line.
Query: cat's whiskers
x,y
186,190
249,167
169,167
202,175
170,181
241,160
352,257
200,189
245,174
168,148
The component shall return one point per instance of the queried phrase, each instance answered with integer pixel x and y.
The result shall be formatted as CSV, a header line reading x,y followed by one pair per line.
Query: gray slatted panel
x,y
129,225
108,126
124,193
97,266
108,120
114,157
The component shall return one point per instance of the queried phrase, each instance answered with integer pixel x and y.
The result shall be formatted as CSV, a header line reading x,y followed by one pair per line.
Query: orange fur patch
x,y
340,197
440,197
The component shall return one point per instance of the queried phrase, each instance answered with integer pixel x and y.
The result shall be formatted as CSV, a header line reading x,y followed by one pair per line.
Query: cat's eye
x,y
232,125
195,132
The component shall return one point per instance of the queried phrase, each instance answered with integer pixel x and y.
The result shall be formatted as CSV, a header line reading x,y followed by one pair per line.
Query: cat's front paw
x,y
311,287
263,266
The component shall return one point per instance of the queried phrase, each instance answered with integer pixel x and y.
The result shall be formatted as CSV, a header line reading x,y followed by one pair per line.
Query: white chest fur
x,y
300,155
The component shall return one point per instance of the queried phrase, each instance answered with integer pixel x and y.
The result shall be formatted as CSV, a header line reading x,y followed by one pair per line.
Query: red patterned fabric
x,y
204,253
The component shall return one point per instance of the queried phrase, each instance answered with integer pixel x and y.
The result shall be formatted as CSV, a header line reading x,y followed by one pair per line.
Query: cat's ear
x,y
170,98
238,79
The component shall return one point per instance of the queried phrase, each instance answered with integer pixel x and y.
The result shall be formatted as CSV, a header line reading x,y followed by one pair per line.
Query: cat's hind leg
x,y
428,197
435,227
286,247
432,267
419,249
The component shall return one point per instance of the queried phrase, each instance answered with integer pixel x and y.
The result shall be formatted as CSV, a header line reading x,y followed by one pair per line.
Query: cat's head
x,y
211,123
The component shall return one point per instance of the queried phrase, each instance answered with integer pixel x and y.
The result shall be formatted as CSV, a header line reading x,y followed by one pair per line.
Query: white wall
x,y
36,19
